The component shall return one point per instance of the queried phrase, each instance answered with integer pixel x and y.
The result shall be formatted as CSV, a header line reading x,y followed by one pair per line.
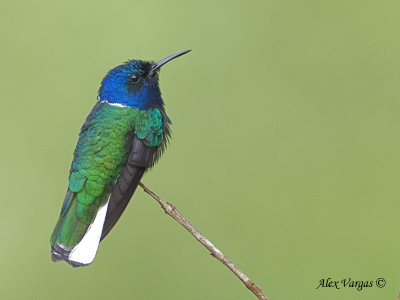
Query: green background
x,y
285,149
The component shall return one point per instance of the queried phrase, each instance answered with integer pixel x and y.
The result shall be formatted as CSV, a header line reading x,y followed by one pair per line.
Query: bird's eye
x,y
135,78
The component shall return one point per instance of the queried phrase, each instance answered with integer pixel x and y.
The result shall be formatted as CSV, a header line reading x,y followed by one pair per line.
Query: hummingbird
x,y
123,136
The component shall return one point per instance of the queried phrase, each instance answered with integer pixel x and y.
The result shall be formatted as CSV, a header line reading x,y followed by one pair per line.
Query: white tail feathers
x,y
85,252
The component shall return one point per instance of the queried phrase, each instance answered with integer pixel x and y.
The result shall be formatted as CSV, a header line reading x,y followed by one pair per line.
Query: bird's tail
x,y
74,241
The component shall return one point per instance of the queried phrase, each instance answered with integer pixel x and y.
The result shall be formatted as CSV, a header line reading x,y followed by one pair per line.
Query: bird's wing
x,y
140,158
147,146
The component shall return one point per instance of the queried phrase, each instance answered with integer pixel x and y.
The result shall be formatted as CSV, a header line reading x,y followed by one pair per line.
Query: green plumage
x,y
104,144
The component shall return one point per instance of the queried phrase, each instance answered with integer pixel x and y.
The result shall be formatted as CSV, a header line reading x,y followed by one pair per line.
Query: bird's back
x,y
102,151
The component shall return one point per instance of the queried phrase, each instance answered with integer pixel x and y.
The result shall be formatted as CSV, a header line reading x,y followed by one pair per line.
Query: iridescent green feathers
x,y
104,144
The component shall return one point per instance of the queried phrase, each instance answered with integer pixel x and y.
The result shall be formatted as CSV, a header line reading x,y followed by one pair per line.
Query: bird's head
x,y
134,83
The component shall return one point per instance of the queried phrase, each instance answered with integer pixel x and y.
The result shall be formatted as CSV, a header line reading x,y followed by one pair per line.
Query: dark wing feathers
x,y
140,158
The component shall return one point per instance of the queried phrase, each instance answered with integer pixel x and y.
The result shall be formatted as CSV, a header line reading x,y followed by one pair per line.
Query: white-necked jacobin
x,y
124,135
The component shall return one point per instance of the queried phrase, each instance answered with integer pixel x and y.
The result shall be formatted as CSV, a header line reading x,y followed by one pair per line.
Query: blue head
x,y
134,83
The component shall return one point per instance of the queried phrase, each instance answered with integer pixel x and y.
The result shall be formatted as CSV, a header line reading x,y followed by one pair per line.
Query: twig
x,y
171,210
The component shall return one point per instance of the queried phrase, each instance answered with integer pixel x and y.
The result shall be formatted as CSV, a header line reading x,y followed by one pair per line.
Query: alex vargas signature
x,y
349,282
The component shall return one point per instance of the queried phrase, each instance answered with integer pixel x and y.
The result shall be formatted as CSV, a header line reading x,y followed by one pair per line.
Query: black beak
x,y
155,66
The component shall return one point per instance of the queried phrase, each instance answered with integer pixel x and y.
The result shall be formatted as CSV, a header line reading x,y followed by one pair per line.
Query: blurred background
x,y
285,148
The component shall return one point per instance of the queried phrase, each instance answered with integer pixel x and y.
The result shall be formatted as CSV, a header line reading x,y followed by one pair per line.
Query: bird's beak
x,y
155,66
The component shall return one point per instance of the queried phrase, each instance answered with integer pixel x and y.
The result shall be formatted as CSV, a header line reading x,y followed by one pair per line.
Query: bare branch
x,y
171,210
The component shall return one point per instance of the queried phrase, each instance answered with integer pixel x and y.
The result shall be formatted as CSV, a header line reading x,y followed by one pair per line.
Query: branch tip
x,y
171,210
